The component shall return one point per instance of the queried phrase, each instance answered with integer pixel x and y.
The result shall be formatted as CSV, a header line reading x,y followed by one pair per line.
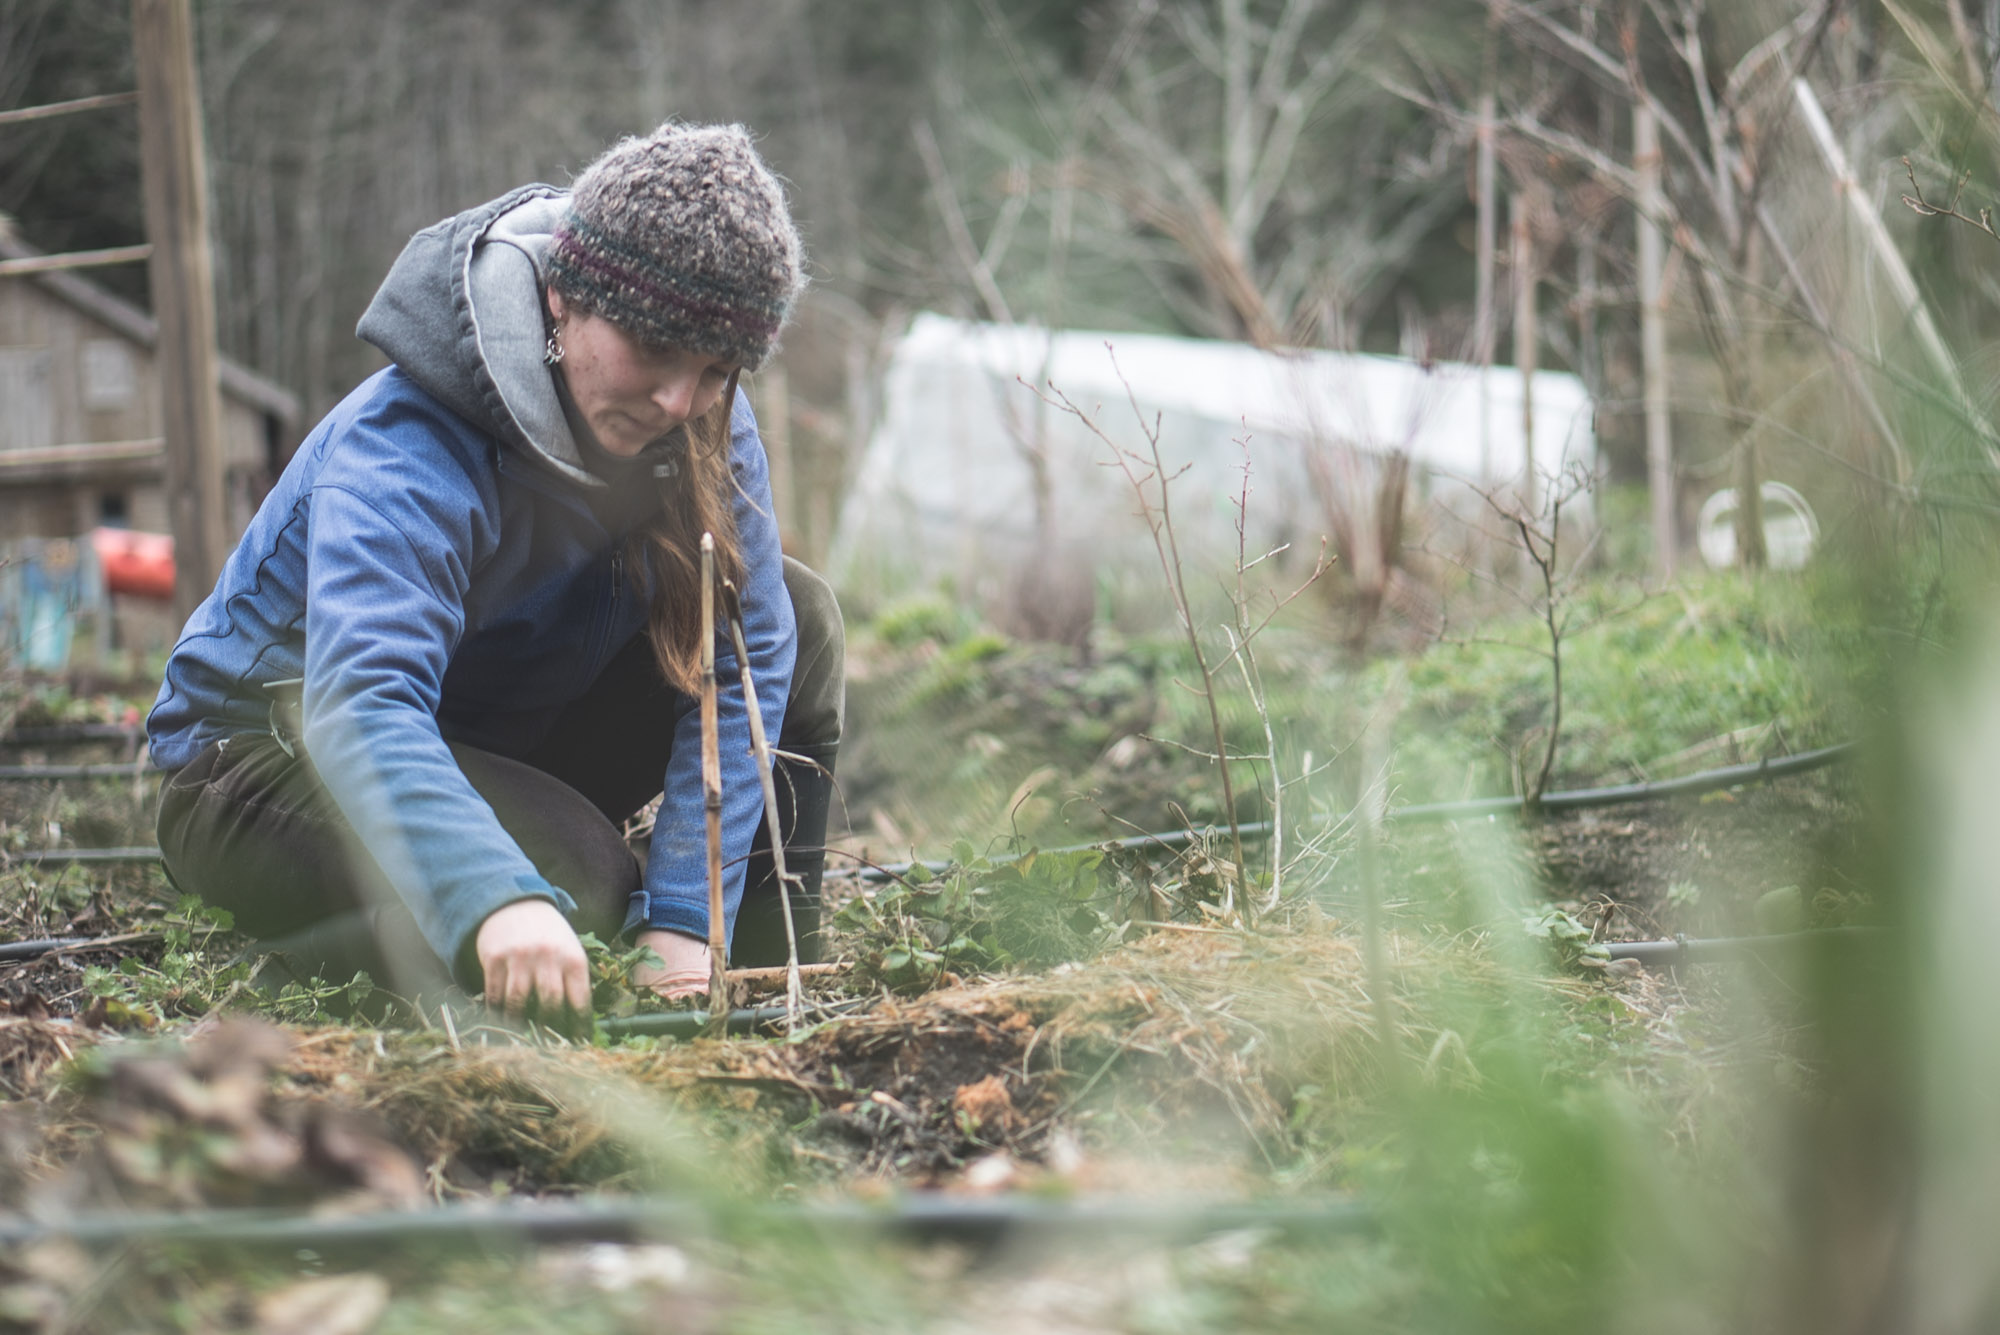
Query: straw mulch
x,y
1204,1032
1209,1027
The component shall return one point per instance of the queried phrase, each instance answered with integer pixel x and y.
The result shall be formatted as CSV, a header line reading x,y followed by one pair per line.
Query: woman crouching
x,y
457,647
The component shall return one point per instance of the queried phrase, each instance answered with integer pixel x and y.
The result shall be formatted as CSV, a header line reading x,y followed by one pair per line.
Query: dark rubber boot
x,y
805,792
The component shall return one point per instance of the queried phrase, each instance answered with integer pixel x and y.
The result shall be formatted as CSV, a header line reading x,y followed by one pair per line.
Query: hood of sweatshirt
x,y
461,313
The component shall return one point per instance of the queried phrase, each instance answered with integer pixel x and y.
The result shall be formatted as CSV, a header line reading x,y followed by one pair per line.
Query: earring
x,y
553,351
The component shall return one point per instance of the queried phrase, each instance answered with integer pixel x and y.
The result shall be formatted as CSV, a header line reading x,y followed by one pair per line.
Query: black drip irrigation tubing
x,y
79,857
72,732
13,952
1576,799
1663,954
694,1024
1684,950
919,1217
1708,781
55,773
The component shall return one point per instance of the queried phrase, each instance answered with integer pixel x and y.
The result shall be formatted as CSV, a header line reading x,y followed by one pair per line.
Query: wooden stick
x,y
733,606
778,973
75,259
711,794
17,115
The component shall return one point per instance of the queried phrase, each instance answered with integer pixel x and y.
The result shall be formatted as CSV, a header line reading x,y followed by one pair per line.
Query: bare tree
x,y
1214,140
1720,121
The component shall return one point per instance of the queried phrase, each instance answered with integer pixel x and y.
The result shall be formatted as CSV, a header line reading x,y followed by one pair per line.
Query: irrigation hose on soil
x,y
65,733
80,857
1665,954
1727,949
134,769
919,1217
1576,799
693,1024
1708,781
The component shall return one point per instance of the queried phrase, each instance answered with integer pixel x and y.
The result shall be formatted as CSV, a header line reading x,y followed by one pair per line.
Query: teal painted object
x,y
44,584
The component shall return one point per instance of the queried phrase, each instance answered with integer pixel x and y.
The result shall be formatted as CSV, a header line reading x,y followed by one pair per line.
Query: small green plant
x,y
956,672
611,989
914,620
319,1001
1038,910
1568,939
192,976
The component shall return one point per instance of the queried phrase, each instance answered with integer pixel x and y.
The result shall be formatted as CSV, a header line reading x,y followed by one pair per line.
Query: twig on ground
x,y
782,973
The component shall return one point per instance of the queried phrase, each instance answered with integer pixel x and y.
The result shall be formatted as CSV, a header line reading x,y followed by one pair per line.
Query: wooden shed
x,y
80,432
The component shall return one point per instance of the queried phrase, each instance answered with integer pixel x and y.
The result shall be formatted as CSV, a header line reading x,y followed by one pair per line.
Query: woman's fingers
x,y
557,979
575,981
531,956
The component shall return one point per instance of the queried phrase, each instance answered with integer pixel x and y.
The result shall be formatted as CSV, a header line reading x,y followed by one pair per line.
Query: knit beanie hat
x,y
682,239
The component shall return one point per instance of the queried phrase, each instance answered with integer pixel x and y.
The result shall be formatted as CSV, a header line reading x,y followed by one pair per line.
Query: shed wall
x,y
95,386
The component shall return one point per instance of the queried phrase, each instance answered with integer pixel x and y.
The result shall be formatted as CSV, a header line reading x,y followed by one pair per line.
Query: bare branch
x,y
1915,199
955,226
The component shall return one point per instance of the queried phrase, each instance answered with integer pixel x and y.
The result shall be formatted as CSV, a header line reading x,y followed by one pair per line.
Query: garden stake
x,y
711,795
733,608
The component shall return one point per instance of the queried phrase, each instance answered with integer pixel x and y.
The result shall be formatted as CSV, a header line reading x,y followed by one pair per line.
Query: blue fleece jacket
x,y
439,561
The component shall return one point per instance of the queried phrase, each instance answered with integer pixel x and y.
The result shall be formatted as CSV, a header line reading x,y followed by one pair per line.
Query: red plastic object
x,y
141,564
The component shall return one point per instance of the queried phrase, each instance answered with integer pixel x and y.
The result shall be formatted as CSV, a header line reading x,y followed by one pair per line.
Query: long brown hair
x,y
695,498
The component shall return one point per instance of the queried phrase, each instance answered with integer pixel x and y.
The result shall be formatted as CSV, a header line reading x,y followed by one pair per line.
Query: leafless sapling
x,y
1538,533
1152,482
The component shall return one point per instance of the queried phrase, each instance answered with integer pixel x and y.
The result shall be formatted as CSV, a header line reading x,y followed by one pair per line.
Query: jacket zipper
x,y
528,478
602,657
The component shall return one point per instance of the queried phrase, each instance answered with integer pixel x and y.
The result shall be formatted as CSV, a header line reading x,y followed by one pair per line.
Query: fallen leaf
x,y
985,1103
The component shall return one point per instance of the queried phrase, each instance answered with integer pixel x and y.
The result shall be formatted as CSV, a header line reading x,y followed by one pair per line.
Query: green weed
x,y
978,914
193,975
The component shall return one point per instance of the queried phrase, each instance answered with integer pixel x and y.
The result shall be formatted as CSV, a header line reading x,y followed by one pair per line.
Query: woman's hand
x,y
684,964
531,956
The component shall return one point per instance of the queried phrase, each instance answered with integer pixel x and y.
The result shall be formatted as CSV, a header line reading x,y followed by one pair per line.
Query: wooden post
x,y
1653,340
1486,239
1527,332
182,277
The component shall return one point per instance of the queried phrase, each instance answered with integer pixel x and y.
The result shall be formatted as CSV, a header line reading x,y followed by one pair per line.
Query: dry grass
x,y
1177,1034
31,1046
